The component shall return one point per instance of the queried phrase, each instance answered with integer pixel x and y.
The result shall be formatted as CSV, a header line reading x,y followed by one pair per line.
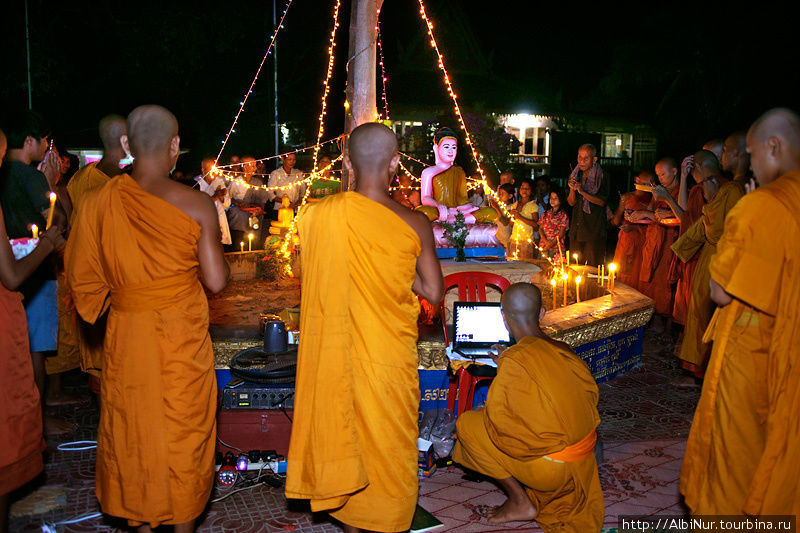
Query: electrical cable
x,y
228,445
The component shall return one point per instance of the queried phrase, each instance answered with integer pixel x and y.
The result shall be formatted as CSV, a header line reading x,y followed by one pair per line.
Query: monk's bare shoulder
x,y
418,221
194,203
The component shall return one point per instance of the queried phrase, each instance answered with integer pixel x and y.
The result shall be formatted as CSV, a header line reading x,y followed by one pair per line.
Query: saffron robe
x,y
703,237
136,254
744,446
628,255
543,400
87,337
21,438
654,280
682,273
353,449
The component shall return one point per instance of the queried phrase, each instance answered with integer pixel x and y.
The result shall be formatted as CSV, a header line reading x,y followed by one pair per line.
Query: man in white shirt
x,y
285,175
215,188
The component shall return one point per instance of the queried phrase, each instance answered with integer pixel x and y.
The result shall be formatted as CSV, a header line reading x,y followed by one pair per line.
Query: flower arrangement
x,y
456,234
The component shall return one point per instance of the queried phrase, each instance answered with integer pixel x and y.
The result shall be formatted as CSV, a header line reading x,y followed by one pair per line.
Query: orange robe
x,y
703,236
628,255
135,254
743,451
543,401
681,272
654,280
21,441
353,448
87,337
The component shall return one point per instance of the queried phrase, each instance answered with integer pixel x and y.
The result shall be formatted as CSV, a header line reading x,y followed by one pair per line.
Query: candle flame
x,y
578,279
52,196
553,282
612,267
564,276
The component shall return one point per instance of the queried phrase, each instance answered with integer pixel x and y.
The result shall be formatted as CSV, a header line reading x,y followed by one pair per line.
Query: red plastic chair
x,y
471,288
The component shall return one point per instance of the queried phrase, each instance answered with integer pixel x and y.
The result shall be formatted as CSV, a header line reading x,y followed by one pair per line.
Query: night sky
x,y
692,73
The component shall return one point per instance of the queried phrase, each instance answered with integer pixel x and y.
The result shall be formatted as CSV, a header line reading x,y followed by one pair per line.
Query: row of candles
x,y
563,275
249,243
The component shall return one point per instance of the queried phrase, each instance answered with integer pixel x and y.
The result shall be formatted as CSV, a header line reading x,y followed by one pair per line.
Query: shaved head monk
x,y
88,339
632,217
744,446
654,278
21,439
536,435
143,247
701,240
353,450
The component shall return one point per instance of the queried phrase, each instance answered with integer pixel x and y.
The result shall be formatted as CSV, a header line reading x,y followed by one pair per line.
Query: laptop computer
x,y
478,325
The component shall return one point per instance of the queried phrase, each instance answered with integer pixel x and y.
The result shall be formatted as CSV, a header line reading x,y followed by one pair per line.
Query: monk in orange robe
x,y
353,449
631,215
537,433
88,338
743,451
702,237
21,438
654,279
141,246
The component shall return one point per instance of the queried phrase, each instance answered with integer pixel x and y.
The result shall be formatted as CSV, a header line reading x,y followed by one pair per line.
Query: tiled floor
x,y
645,424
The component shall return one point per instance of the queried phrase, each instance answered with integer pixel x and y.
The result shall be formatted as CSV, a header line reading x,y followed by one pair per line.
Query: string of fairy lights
x,y
384,78
284,249
253,83
233,175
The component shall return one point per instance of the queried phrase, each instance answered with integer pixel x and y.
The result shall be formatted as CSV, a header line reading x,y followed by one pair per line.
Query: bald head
x,y
372,149
773,143
111,128
735,160
715,146
522,305
707,160
151,129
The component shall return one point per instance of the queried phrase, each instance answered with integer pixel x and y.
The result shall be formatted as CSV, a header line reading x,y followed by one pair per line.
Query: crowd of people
x,y
110,275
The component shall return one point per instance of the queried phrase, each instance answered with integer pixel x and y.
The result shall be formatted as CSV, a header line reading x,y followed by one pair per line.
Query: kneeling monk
x,y
353,450
140,248
536,434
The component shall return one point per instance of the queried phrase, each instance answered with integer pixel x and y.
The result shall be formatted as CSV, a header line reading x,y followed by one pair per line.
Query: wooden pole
x,y
361,75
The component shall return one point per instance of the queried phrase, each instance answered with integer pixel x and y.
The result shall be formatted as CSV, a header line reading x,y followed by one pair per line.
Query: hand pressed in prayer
x,y
750,186
50,166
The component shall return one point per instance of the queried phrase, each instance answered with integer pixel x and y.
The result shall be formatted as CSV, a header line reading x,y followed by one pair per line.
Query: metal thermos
x,y
275,336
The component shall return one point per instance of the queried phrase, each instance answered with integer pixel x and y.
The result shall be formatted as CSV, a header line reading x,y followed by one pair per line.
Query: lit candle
x,y
242,245
567,257
249,242
565,277
554,285
52,209
575,257
602,274
560,255
578,280
612,268
35,231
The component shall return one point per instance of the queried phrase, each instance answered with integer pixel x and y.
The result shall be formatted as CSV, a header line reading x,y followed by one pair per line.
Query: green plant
x,y
456,234
271,265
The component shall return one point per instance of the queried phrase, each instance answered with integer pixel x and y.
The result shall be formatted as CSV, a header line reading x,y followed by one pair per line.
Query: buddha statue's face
x,y
285,202
446,151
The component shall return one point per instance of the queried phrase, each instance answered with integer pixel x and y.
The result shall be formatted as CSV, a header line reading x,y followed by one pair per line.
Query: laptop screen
x,y
479,323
